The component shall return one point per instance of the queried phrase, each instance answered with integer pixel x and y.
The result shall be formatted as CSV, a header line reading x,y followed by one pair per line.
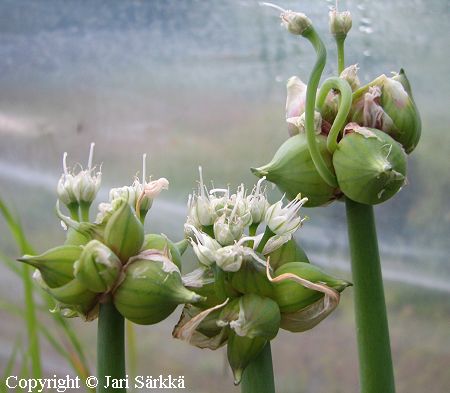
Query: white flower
x,y
81,187
257,202
230,258
285,220
201,208
204,247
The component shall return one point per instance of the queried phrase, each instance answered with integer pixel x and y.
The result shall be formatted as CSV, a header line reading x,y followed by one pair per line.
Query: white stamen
x,y
66,172
258,185
202,186
91,156
271,5
144,164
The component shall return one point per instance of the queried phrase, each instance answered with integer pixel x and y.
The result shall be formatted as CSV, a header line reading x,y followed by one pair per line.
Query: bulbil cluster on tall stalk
x,y
254,276
111,259
345,139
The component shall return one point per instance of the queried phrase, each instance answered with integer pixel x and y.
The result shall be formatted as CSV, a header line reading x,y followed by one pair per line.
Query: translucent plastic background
x,y
203,83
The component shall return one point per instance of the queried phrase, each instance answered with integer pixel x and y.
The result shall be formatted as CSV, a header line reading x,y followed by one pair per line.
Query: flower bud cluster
x,y
366,157
111,259
247,300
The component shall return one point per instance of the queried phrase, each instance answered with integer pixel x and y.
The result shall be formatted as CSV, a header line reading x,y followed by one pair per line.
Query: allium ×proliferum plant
x,y
111,259
254,276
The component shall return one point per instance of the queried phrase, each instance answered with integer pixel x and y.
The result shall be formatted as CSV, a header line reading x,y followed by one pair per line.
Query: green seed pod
x,y
291,296
251,278
241,351
294,172
55,265
162,242
124,233
98,267
370,166
288,252
76,237
151,289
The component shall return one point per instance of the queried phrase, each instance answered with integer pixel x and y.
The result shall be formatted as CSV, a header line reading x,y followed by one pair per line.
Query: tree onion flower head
x,y
81,187
284,220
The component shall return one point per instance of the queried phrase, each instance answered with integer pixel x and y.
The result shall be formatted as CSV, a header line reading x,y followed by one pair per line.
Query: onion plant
x,y
348,142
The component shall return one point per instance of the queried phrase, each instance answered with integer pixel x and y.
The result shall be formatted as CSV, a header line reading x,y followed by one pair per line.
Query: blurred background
x,y
203,83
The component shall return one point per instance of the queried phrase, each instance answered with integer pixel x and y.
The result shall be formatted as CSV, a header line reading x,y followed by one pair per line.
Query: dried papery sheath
x,y
189,328
291,296
308,317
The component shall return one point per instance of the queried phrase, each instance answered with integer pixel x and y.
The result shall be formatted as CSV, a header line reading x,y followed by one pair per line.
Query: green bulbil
x,y
252,278
288,252
294,172
151,290
241,351
370,166
74,293
161,242
292,296
397,102
124,233
98,267
55,265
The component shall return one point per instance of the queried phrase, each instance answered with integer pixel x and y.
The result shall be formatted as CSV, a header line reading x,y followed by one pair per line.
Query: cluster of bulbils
x,y
111,259
254,282
378,125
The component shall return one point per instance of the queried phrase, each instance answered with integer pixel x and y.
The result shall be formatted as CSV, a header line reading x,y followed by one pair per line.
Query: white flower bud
x,y
285,220
228,230
296,22
340,22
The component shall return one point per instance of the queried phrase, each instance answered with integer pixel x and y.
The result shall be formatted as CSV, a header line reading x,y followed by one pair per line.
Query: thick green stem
x,y
110,348
258,376
376,371
319,162
345,104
